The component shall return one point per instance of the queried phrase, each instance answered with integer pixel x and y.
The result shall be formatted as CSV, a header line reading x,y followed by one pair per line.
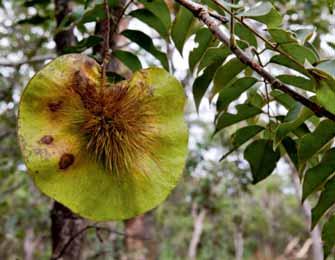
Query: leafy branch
x,y
202,14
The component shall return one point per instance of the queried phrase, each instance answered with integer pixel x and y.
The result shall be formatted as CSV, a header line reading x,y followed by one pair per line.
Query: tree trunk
x,y
198,225
65,224
238,242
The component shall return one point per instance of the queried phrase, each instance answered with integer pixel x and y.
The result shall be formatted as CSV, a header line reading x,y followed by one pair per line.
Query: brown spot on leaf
x,y
47,139
66,161
55,105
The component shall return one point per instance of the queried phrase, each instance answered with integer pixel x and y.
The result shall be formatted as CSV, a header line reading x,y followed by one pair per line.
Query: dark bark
x,y
65,224
65,38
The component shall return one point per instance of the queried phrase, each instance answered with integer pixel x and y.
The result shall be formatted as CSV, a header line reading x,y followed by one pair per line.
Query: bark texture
x,y
65,224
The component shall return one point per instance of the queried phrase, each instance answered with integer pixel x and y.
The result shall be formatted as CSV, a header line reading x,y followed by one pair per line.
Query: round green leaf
x,y
56,111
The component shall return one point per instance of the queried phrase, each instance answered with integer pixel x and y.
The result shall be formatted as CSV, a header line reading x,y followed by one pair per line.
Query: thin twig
x,y
272,45
200,12
98,228
107,31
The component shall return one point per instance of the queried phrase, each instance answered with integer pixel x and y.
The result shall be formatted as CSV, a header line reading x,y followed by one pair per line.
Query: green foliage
x,y
260,121
262,159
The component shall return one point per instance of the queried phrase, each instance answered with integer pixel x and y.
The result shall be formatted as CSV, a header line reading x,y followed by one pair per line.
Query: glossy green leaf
x,y
97,13
146,43
226,73
326,201
203,38
245,34
244,111
129,59
262,159
202,82
281,36
264,13
213,55
291,149
316,177
233,91
325,94
328,234
286,62
241,136
284,99
286,127
159,9
299,53
181,27
150,19
311,143
297,81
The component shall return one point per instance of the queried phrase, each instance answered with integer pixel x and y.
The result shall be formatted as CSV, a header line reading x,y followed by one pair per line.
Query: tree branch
x,y
202,14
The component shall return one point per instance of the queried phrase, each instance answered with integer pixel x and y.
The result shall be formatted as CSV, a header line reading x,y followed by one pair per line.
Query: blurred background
x,y
214,213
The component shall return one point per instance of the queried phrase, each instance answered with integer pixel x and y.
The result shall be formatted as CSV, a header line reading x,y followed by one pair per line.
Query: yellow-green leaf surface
x,y
56,152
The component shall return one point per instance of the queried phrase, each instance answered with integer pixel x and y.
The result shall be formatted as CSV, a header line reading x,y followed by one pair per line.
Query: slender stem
x,y
272,45
107,31
202,14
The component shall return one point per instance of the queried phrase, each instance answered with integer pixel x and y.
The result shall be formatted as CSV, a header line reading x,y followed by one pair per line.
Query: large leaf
x,y
297,81
233,91
181,27
213,55
325,94
226,73
241,136
326,201
291,149
281,36
159,9
286,62
146,43
150,19
244,111
285,128
264,13
328,234
245,34
299,53
315,177
129,59
262,159
203,38
202,82
311,143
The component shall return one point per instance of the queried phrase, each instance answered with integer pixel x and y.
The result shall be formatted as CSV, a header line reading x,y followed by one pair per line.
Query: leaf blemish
x,y
55,106
47,139
66,161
